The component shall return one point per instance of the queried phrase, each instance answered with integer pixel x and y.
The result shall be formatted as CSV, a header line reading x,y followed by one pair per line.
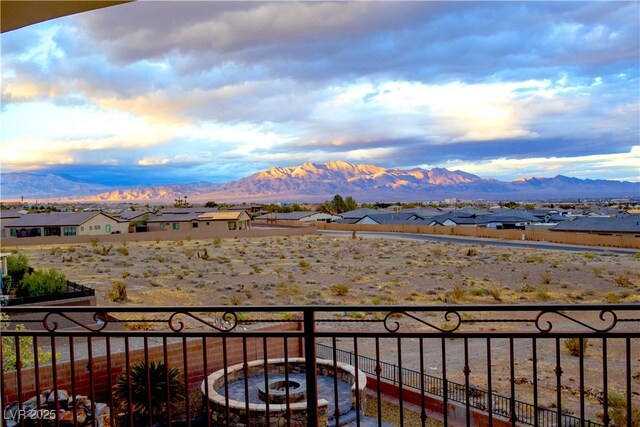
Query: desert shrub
x,y
543,294
572,345
339,289
496,294
94,241
472,252
217,240
618,410
123,250
188,252
480,292
458,293
235,300
623,281
589,255
43,282
612,297
103,250
304,265
148,382
531,258
118,292
546,277
505,256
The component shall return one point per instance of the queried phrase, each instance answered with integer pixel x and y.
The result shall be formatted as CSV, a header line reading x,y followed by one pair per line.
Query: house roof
x,y
129,215
361,213
505,218
55,219
186,211
384,218
220,216
625,224
174,217
288,215
348,220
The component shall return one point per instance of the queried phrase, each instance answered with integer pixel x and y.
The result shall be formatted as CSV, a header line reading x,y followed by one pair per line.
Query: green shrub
x,y
148,381
17,267
25,344
43,282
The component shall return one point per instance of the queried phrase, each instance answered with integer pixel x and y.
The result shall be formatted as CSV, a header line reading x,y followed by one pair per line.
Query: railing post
x,y
310,365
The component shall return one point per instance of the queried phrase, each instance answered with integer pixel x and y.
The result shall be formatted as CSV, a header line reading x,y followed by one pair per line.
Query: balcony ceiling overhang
x,y
21,13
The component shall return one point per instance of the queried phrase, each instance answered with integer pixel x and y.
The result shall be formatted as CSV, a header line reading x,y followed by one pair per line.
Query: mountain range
x,y
319,182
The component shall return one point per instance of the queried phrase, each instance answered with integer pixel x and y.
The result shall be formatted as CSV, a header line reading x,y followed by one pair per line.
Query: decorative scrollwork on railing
x,y
394,326
225,323
100,317
603,313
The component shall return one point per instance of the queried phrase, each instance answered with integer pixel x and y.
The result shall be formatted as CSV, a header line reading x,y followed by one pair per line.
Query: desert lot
x,y
318,269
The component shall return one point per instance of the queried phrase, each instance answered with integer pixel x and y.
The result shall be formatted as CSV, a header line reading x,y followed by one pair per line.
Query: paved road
x,y
483,241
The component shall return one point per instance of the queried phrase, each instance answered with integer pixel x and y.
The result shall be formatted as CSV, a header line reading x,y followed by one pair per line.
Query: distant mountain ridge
x,y
320,181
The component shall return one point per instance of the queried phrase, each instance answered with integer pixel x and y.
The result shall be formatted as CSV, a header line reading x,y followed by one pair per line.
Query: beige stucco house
x,y
201,221
65,224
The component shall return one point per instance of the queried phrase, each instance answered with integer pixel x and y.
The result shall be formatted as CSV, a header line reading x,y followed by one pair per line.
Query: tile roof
x,y
287,216
625,224
361,213
54,219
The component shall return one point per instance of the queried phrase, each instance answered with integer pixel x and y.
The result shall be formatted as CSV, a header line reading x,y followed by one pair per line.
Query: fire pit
x,y
282,389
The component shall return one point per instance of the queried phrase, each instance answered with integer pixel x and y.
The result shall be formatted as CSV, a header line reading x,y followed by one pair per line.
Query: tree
x,y
338,204
181,203
350,204
210,204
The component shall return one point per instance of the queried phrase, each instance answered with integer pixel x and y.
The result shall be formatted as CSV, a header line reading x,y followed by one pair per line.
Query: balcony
x,y
538,365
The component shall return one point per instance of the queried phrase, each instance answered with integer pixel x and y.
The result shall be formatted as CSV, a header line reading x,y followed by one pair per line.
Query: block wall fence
x,y
176,356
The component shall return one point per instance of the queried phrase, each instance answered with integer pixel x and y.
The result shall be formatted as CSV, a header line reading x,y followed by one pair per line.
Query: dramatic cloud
x,y
189,91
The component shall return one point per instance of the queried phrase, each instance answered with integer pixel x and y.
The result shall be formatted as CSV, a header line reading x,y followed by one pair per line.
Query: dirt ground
x,y
338,270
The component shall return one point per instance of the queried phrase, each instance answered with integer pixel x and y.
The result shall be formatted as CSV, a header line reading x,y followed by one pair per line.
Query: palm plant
x,y
149,393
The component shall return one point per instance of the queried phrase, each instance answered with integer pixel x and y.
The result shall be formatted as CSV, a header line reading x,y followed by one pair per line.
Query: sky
x,y
156,92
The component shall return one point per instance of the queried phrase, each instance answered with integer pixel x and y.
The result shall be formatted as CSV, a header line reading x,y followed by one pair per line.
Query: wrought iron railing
x,y
525,412
516,351
72,290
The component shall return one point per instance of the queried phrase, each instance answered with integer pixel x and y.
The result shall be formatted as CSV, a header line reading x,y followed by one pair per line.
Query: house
x,y
65,224
299,216
251,208
627,225
6,218
196,219
390,218
455,219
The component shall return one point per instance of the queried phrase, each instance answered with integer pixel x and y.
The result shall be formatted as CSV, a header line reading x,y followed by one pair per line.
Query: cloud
x,y
204,85
607,166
